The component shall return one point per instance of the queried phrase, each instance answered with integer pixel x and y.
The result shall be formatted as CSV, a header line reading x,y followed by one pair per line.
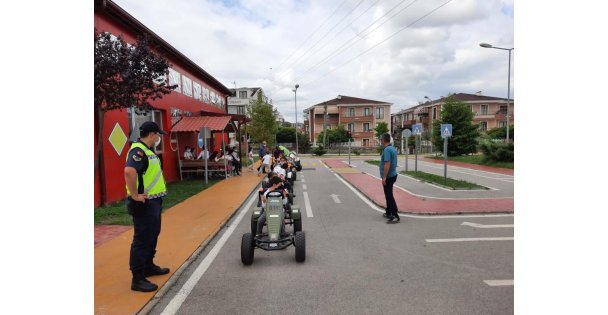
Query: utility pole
x,y
325,126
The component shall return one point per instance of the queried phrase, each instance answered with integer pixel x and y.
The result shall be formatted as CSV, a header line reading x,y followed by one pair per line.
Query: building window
x,y
197,91
379,112
483,126
175,78
484,110
351,127
434,113
502,124
365,126
367,111
503,109
187,84
351,112
365,142
137,118
242,94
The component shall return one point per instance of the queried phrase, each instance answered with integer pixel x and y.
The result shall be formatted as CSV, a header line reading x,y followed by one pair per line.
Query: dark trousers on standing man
x,y
146,225
391,205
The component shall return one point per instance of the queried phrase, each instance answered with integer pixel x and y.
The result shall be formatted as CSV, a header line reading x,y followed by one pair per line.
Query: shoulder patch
x,y
140,153
136,158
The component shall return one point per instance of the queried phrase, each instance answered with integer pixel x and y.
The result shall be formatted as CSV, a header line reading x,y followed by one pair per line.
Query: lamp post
x,y
431,122
295,102
485,45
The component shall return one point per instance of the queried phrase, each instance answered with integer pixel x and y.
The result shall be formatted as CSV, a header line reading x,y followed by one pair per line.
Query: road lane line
x,y
455,216
304,186
473,239
496,283
487,226
183,293
303,180
307,204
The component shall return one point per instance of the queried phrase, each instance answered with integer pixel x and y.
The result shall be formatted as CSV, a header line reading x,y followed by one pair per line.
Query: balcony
x,y
484,115
360,118
364,134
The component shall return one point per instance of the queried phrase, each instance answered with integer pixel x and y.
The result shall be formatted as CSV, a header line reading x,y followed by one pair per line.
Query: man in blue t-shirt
x,y
388,172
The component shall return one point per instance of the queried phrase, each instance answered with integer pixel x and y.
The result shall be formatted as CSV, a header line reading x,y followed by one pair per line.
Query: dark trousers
x,y
391,205
147,228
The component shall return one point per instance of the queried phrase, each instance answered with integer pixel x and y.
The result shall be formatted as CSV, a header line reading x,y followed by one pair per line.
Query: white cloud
x,y
241,40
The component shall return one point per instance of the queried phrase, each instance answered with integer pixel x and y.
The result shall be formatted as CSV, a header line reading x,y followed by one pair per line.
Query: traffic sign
x,y
446,130
417,129
406,133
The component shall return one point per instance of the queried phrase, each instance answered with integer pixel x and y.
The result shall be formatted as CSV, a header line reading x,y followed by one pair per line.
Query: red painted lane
x,y
491,169
406,202
104,233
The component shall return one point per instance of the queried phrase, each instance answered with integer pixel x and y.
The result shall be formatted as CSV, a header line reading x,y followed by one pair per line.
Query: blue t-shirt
x,y
389,154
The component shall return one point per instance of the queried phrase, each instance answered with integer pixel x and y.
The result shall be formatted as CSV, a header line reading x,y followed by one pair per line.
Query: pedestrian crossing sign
x,y
446,130
417,129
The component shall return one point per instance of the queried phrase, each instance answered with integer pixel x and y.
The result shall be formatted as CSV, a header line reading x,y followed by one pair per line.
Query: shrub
x,y
356,152
319,151
497,151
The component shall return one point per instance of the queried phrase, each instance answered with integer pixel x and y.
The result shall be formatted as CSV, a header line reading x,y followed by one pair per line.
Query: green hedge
x,y
497,151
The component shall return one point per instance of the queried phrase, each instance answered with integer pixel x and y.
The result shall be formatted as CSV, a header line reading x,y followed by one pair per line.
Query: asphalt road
x,y
355,263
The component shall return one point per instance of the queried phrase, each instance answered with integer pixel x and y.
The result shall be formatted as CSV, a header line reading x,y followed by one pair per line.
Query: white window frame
x,y
187,86
350,112
206,95
481,109
366,129
197,91
241,93
367,111
351,127
379,112
483,126
175,78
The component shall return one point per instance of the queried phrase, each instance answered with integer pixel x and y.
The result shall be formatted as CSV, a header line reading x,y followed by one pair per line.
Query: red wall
x,y
114,163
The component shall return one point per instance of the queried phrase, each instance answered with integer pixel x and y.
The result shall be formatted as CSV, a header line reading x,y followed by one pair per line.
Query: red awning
x,y
194,124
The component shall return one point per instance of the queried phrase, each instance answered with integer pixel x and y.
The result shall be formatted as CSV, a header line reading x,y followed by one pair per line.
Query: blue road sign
x,y
200,142
417,129
446,130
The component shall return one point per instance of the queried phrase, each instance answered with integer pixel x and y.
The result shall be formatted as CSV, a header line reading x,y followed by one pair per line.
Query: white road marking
x,y
304,186
473,239
183,293
440,198
303,180
456,216
496,283
487,226
307,204
335,198
327,167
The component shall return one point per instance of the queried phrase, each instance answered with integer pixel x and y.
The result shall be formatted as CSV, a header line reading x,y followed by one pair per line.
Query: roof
x,y
194,124
119,14
464,97
349,100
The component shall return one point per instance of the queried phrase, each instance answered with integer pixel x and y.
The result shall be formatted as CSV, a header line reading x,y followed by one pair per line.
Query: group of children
x,y
233,161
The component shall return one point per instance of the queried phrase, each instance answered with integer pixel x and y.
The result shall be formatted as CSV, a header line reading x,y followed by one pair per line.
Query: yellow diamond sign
x,y
118,139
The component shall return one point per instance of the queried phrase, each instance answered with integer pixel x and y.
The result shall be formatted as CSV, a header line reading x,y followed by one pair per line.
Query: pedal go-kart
x,y
265,184
274,236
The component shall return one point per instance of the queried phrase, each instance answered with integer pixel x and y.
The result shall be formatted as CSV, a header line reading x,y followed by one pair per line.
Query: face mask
x,y
157,142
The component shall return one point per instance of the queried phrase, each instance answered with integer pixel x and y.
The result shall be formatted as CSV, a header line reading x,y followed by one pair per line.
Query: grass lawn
x,y
438,180
475,159
373,162
116,213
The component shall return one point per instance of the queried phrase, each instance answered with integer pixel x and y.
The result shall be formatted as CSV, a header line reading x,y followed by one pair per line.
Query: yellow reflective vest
x,y
154,182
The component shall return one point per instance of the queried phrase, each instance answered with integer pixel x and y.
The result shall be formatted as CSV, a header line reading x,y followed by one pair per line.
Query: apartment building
x,y
490,112
358,115
240,97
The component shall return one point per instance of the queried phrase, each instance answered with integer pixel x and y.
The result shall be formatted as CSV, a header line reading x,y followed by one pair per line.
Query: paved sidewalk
x,y
406,202
185,227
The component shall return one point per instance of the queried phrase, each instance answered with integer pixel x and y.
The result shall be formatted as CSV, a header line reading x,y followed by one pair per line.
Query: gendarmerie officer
x,y
145,190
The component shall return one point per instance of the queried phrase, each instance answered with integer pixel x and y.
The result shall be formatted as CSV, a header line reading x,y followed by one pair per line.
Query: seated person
x,y
275,183
213,156
265,186
188,153
204,155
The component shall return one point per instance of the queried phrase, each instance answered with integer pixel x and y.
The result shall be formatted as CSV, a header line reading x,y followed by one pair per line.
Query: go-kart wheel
x,y
300,243
247,249
297,225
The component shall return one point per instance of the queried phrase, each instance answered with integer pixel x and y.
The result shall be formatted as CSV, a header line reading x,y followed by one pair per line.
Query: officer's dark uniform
x,y
146,223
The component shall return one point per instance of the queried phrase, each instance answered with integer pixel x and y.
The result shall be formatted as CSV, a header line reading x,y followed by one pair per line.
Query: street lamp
x,y
485,45
295,101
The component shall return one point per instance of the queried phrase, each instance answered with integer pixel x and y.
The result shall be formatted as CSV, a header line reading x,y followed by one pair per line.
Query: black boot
x,y
154,270
140,283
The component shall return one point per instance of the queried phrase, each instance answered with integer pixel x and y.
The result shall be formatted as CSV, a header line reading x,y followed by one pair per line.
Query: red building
x,y
198,94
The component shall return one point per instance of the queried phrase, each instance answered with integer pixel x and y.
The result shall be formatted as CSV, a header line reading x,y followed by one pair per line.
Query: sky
x,y
396,51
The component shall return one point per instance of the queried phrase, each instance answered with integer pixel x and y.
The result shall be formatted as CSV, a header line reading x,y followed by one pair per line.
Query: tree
x,y
381,128
501,133
125,76
334,136
286,134
263,121
464,132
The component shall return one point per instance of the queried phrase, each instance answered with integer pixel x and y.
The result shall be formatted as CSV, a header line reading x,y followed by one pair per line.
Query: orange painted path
x,y
184,228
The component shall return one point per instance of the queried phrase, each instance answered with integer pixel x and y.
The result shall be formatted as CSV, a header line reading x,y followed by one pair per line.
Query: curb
x,y
425,214
169,284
